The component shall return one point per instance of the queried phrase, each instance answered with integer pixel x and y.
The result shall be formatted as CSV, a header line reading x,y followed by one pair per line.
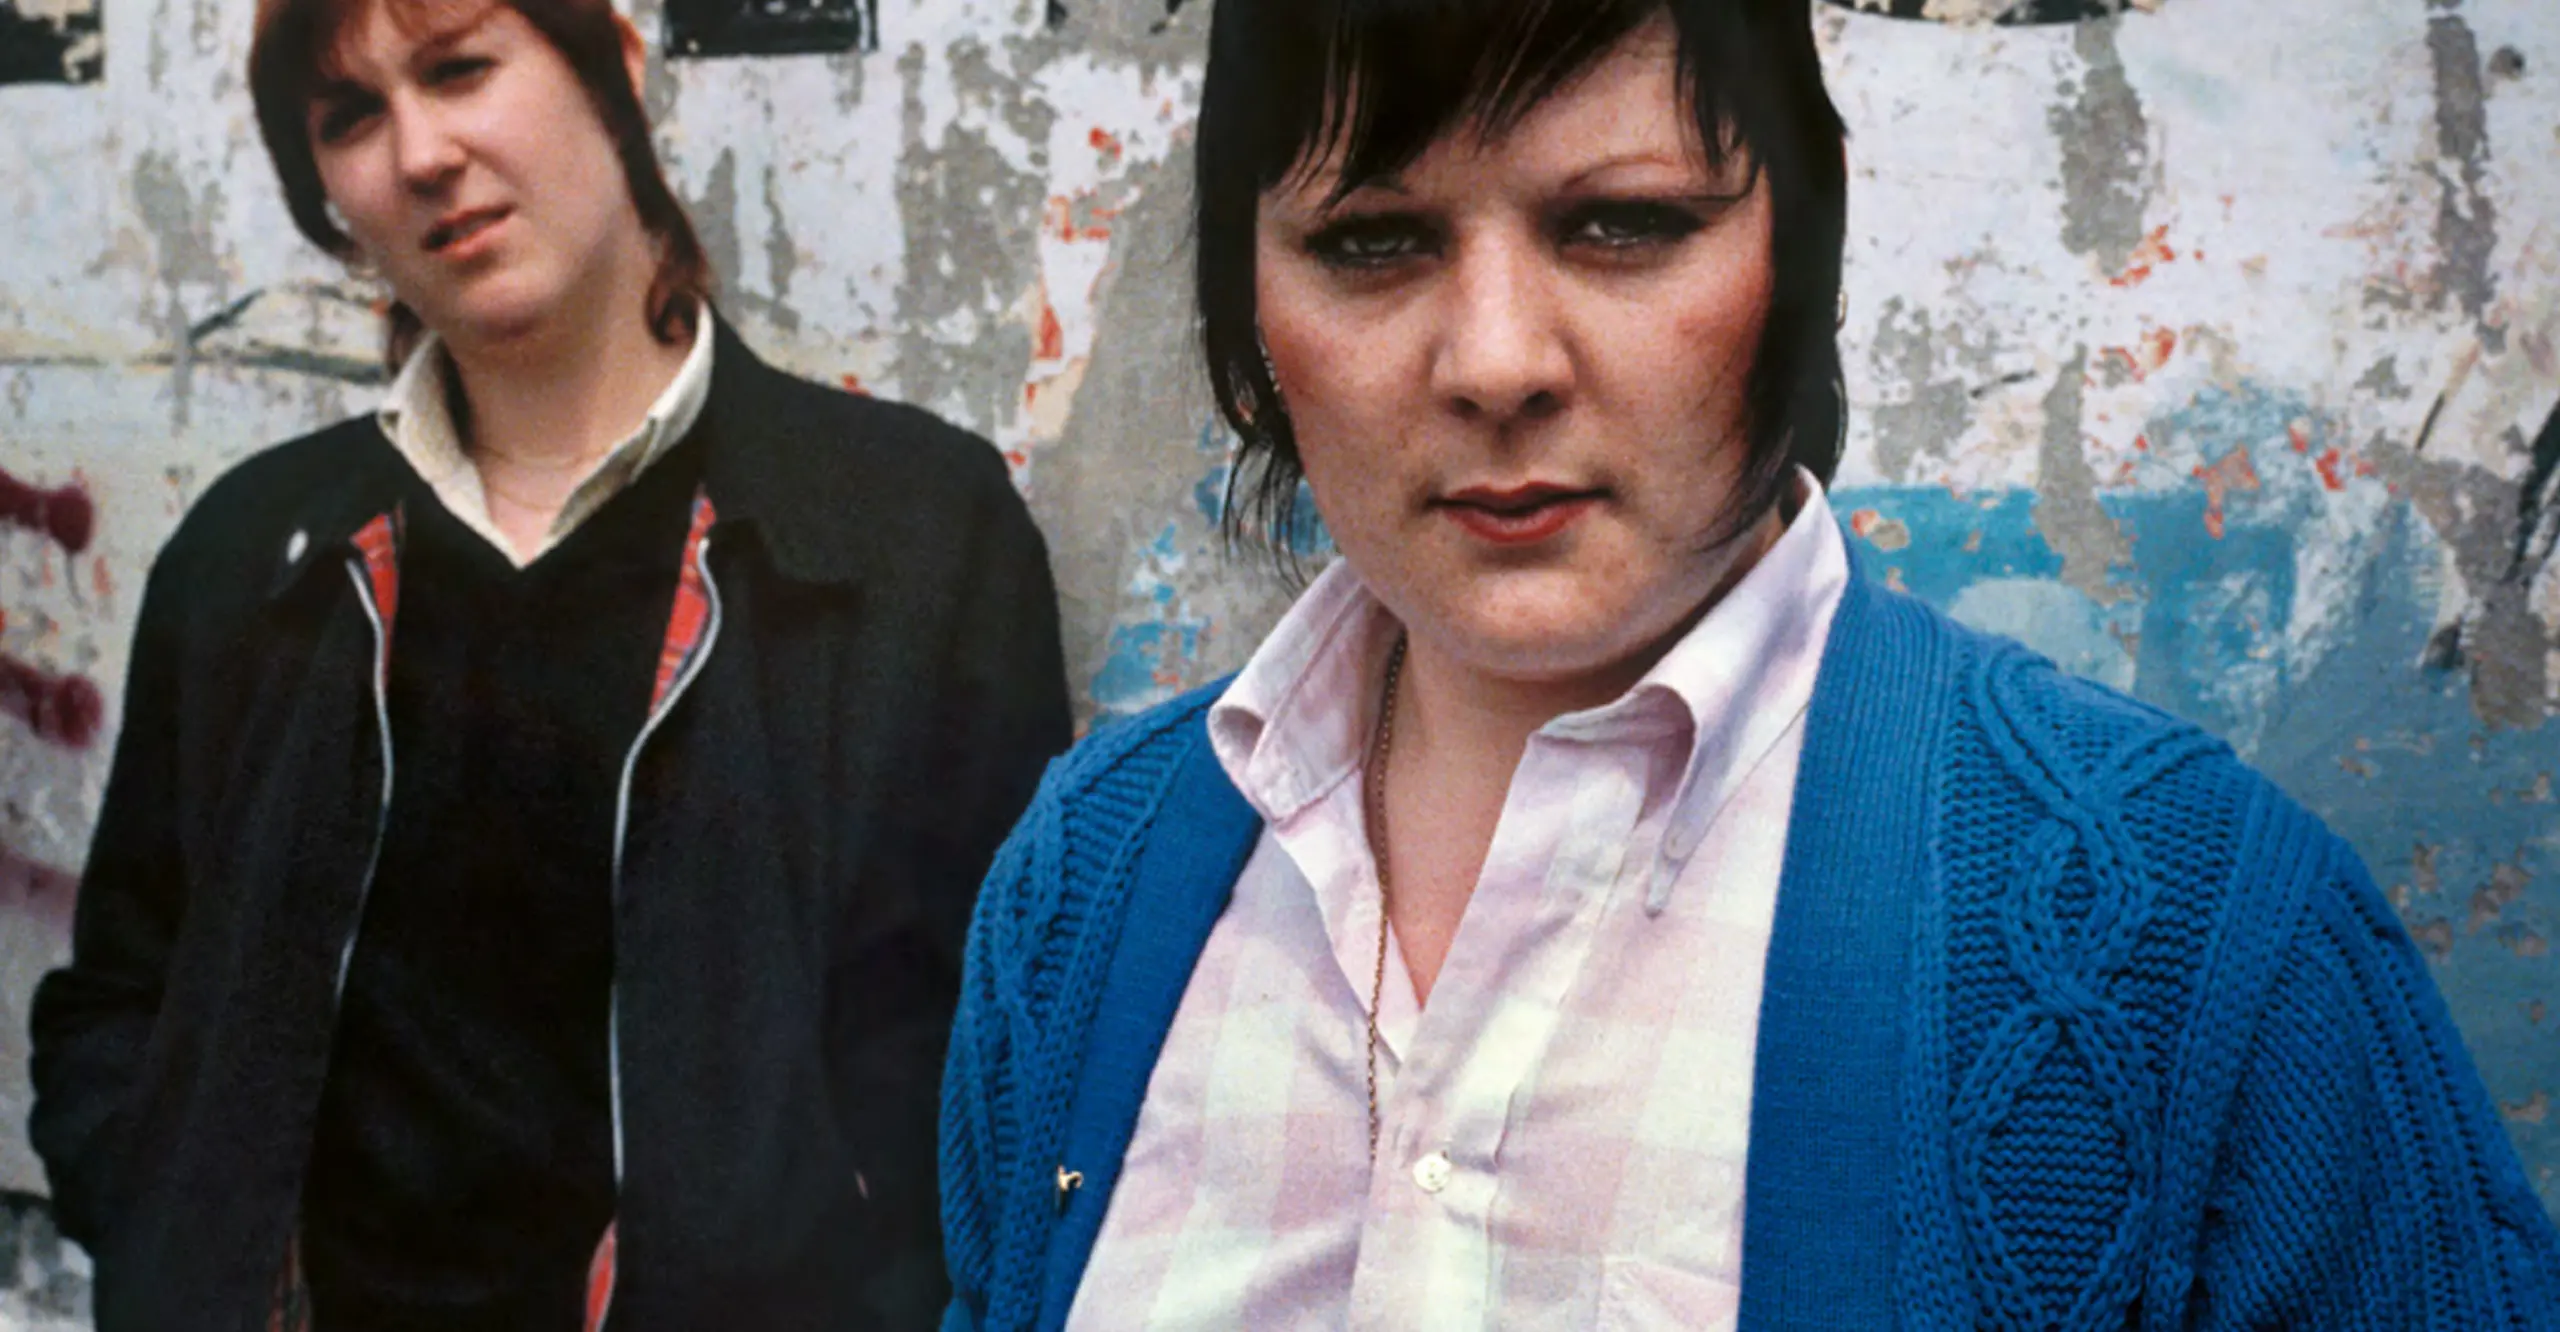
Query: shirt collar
x,y
1295,721
416,417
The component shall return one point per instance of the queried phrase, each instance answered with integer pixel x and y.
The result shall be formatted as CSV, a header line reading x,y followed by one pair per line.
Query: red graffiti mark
x,y
2142,443
103,577
2329,474
2151,253
1060,217
33,888
64,514
65,709
853,385
2300,433
1052,343
2232,473
1864,521
1105,142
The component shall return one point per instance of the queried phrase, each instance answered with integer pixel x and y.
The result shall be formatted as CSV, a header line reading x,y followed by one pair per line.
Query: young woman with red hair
x,y
531,884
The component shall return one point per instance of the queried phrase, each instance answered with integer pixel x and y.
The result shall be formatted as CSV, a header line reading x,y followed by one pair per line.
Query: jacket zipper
x,y
382,816
622,828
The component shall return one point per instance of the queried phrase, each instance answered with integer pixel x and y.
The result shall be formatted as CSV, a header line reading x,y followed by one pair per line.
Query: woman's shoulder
x,y
828,429
262,511
1127,762
2025,734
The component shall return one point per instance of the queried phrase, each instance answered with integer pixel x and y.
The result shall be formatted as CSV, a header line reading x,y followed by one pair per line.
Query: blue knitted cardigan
x,y
2070,1021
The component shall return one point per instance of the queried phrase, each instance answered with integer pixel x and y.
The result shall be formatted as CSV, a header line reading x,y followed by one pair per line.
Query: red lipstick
x,y
458,235
1517,515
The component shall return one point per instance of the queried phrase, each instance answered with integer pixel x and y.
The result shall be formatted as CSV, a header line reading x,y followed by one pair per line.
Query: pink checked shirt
x,y
1565,1128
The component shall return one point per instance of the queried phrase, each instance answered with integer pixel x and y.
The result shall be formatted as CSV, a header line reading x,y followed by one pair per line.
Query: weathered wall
x,y
2208,347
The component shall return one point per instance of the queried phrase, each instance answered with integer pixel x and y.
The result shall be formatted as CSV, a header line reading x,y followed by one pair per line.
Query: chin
x,y
499,312
1539,649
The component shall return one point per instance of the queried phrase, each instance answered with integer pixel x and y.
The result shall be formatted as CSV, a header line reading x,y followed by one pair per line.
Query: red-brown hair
x,y
295,49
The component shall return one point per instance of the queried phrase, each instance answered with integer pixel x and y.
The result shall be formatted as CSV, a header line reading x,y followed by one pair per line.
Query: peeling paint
x,y
2467,223
2106,153
1929,408
2067,512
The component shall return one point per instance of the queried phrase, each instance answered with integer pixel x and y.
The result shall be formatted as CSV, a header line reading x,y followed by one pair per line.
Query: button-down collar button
x,y
1432,1172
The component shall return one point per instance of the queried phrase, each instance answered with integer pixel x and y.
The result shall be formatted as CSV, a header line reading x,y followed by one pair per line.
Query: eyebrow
x,y
1636,159
442,43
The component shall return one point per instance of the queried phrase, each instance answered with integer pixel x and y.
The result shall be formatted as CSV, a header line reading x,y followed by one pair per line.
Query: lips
x,y
458,229
1517,515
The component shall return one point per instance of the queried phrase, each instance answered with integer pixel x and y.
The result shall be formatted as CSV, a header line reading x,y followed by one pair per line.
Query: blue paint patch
x,y
1955,540
1133,675
1210,495
1147,662
1307,540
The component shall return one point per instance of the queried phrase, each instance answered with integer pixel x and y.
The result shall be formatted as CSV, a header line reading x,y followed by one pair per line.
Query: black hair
x,y
1373,84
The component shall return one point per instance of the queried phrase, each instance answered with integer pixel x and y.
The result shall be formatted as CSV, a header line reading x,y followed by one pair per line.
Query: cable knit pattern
x,y
1036,953
2099,831
2167,1059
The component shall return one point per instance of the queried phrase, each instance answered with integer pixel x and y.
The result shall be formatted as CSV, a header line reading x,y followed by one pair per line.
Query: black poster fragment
x,y
50,41
770,27
2015,13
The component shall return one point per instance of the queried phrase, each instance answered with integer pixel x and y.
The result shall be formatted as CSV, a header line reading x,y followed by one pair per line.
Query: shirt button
x,y
1432,1172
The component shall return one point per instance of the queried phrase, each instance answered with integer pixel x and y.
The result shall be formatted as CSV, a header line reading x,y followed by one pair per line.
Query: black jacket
x,y
807,825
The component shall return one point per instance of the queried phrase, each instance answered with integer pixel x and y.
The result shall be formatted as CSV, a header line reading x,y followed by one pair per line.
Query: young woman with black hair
x,y
1599,903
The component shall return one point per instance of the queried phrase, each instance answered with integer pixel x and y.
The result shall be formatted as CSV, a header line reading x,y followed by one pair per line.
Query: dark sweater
x,y
462,1170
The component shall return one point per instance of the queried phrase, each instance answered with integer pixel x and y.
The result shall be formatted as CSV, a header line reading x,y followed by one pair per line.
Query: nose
x,y
423,148
1504,354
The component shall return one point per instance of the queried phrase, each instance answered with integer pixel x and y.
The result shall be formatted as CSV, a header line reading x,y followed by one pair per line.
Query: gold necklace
x,y
1380,745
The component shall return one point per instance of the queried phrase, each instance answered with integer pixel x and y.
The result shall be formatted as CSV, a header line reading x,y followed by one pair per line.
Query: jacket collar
x,y
368,484
767,469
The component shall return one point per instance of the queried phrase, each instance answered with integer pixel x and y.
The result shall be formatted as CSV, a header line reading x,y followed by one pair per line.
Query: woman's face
x,y
1516,371
472,170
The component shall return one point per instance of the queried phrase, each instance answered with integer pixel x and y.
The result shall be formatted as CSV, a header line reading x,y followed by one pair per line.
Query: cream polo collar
x,y
415,419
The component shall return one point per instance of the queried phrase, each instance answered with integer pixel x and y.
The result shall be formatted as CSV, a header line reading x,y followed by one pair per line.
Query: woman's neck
x,y
558,398
541,408
1459,733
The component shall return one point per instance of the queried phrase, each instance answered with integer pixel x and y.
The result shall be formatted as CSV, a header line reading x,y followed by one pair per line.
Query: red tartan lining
x,y
692,613
379,542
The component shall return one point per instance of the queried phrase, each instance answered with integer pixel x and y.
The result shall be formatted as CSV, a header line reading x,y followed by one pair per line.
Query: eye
x,y
1623,225
1372,241
337,118
457,71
